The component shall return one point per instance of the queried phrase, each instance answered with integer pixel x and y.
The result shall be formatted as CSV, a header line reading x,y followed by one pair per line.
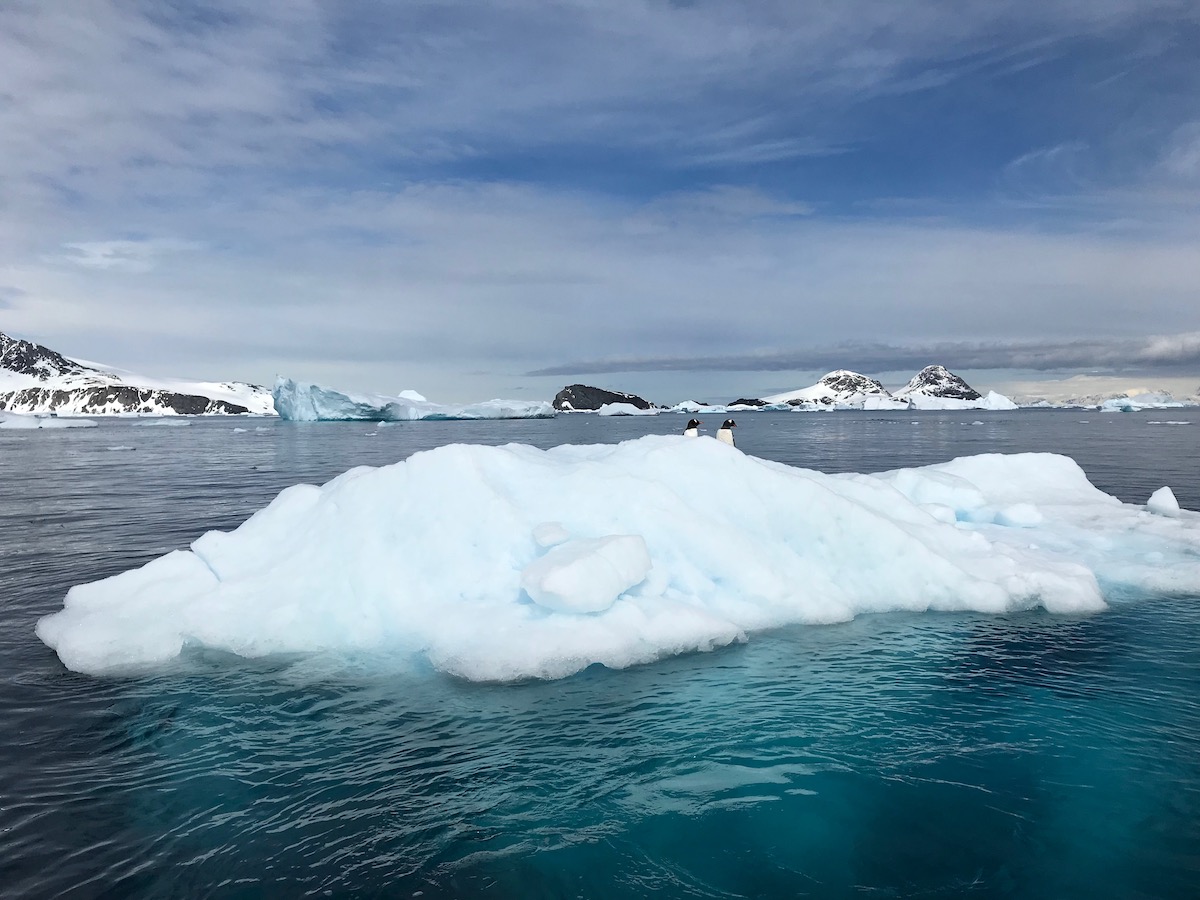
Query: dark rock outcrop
x,y
818,401
584,397
743,401
846,382
28,358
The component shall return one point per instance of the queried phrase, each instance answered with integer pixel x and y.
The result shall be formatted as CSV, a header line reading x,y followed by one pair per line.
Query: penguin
x,y
693,428
725,432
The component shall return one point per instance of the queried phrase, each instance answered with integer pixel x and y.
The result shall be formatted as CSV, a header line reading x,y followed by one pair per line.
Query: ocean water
x,y
932,755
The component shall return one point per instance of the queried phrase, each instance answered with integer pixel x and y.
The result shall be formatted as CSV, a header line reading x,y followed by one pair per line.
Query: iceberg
x,y
625,409
299,401
507,563
1136,402
991,401
26,421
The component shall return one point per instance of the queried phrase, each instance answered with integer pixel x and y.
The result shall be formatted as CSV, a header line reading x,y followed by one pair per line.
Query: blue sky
x,y
688,198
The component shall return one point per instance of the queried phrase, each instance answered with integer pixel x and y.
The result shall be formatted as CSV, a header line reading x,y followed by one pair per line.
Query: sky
x,y
699,199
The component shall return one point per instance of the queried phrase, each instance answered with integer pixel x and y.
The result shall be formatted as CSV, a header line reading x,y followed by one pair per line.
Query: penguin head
x,y
729,423
693,423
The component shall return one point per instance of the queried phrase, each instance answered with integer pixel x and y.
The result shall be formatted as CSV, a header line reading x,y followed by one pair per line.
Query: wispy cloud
x,y
125,256
1182,156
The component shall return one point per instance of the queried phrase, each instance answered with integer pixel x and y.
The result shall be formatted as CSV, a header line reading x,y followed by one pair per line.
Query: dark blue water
x,y
933,755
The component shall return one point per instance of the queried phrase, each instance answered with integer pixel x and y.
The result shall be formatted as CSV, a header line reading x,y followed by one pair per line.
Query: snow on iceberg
x,y
1163,503
500,563
299,401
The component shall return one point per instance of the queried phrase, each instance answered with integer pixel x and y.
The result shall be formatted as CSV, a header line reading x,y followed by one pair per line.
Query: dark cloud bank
x,y
1163,354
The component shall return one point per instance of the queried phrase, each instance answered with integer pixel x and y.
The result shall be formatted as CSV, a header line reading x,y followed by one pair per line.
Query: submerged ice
x,y
499,563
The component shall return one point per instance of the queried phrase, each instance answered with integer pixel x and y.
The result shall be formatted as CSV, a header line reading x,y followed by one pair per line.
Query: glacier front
x,y
501,563
299,401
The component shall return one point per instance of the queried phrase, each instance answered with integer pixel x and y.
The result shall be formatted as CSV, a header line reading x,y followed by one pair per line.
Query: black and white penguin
x,y
693,428
725,432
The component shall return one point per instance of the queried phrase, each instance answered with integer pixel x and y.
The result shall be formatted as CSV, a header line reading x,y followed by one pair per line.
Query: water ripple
x,y
935,755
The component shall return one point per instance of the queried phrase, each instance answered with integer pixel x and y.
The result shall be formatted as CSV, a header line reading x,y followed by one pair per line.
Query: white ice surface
x,y
586,576
300,401
485,560
23,420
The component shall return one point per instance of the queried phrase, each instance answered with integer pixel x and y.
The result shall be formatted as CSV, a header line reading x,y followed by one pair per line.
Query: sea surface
x,y
898,755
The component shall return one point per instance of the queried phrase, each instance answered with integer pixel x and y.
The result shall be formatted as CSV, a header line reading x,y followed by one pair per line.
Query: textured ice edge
x,y
498,563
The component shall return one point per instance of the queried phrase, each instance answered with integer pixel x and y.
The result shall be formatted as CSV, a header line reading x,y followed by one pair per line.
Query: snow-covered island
x,y
35,379
503,563
934,387
585,398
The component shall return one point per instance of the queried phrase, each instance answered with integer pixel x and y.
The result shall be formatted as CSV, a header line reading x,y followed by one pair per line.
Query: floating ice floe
x,y
500,563
625,409
303,402
25,420
691,407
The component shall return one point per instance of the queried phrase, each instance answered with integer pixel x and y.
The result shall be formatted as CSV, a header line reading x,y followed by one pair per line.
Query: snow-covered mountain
x,y
935,387
932,388
841,389
938,381
36,379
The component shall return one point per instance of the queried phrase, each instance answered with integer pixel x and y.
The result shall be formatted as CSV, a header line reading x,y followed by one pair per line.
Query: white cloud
x,y
1182,157
461,277
125,256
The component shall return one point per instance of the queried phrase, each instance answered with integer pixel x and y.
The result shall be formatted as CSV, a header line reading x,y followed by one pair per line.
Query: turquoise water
x,y
936,755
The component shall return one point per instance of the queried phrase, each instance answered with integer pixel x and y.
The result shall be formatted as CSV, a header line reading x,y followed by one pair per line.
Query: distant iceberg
x,y
991,400
501,563
1135,402
625,409
25,421
299,401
